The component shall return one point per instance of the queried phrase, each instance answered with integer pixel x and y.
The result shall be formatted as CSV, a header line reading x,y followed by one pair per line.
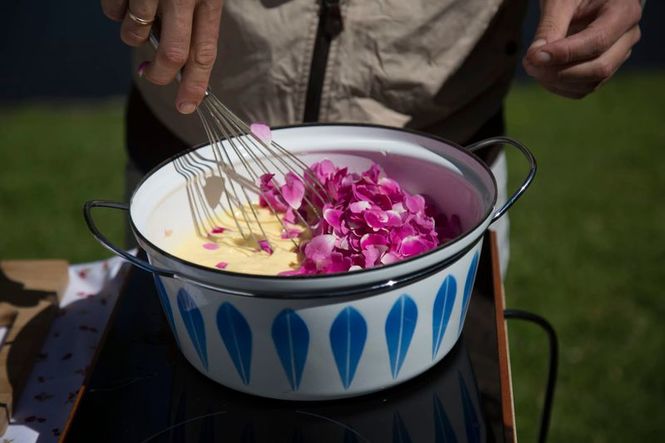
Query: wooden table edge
x,y
508,404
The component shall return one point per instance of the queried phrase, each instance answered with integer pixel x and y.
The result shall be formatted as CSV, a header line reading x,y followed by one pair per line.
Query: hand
x,y
580,44
188,41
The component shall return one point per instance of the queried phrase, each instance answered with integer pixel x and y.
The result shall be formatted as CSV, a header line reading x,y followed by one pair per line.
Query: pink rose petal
x,y
354,242
262,132
299,271
290,233
323,170
265,246
210,246
337,263
290,216
414,203
218,230
366,219
394,219
413,245
368,240
372,254
270,195
320,247
376,218
221,265
399,208
333,217
373,172
391,188
293,190
397,234
363,192
390,257
359,206
343,243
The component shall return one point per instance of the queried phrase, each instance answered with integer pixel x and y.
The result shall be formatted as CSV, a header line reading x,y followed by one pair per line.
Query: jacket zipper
x,y
330,26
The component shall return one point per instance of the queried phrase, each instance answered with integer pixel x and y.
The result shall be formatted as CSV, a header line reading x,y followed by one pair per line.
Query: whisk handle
x,y
101,238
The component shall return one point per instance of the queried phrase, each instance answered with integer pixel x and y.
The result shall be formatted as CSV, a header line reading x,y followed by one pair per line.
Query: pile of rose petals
x,y
368,221
364,220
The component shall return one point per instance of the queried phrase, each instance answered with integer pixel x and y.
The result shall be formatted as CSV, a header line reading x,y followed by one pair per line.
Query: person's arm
x,y
188,41
580,44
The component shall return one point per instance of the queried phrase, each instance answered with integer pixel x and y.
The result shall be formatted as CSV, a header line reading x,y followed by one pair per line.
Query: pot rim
x,y
393,282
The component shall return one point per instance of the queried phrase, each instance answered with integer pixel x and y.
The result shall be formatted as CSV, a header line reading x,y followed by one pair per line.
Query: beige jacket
x,y
443,66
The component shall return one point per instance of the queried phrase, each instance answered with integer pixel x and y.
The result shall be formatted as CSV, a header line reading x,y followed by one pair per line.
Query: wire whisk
x,y
231,180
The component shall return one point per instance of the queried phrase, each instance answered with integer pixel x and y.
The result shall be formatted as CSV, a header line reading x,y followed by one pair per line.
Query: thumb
x,y
555,18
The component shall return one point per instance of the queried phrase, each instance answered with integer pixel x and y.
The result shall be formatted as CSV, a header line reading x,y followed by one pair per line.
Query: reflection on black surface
x,y
144,390
440,406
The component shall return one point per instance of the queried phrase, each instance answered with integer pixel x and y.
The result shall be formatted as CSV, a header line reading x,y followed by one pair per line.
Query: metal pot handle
x,y
527,181
141,264
101,238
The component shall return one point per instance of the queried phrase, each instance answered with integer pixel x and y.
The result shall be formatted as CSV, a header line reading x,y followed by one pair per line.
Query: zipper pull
x,y
331,17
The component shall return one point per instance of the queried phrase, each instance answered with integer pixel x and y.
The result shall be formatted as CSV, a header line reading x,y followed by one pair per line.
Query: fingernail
x,y
186,107
538,43
142,68
543,57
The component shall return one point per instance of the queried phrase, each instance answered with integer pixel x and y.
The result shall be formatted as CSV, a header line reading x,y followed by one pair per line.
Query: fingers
x,y
202,56
188,41
567,88
138,20
604,66
579,79
566,92
174,42
612,22
114,9
555,18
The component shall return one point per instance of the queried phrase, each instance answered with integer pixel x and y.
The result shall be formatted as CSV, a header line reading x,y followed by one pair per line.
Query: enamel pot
x,y
327,336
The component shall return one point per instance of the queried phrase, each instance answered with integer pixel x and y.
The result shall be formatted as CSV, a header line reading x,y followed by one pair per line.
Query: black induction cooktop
x,y
142,390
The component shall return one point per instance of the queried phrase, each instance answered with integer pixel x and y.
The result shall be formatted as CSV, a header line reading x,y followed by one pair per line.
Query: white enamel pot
x,y
329,336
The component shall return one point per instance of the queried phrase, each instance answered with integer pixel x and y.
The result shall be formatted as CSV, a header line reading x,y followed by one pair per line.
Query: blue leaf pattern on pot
x,y
164,300
291,338
400,433
191,316
400,326
468,288
443,430
347,339
471,422
237,337
443,307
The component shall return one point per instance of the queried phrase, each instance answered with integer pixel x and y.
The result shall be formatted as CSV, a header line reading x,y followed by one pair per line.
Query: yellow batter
x,y
243,254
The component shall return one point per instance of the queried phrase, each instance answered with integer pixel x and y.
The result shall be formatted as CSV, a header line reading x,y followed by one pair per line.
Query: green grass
x,y
588,238
588,253
52,159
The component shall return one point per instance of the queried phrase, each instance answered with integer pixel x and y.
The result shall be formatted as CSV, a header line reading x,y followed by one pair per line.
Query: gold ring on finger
x,y
139,20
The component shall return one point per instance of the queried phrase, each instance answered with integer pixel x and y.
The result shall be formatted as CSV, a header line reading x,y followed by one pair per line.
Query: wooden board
x,y
503,348
30,291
